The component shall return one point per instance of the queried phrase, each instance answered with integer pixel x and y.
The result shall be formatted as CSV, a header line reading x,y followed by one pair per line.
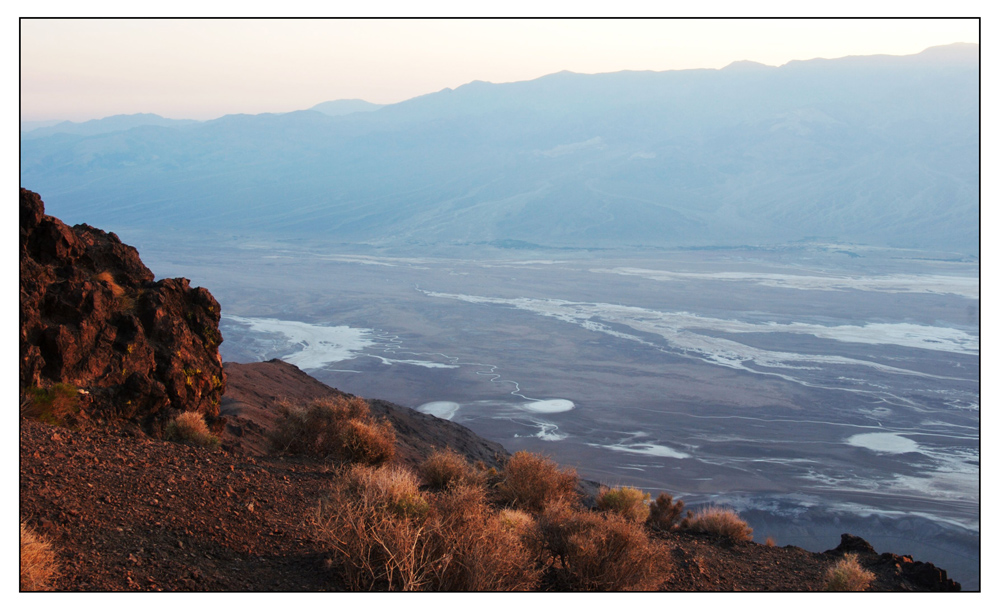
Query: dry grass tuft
x,y
531,481
719,521
58,405
392,488
108,280
600,552
190,428
389,536
664,512
769,541
341,428
446,467
848,575
630,503
368,442
38,562
517,521
122,301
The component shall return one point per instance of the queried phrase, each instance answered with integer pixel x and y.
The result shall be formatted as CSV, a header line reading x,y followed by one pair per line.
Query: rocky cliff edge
x,y
93,319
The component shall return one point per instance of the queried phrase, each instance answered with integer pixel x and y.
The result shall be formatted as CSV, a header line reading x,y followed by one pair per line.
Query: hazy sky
x,y
202,69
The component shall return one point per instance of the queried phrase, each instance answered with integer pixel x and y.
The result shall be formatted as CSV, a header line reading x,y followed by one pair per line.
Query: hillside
x,y
878,150
125,509
127,512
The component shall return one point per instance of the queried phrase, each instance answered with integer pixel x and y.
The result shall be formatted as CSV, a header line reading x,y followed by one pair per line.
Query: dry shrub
x,y
848,575
769,541
58,405
455,542
446,467
341,428
476,549
374,522
530,481
600,552
108,280
628,502
368,442
517,521
190,428
38,562
392,488
664,512
719,521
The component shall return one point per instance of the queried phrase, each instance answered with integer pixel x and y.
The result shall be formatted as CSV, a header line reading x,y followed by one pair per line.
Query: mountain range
x,y
874,150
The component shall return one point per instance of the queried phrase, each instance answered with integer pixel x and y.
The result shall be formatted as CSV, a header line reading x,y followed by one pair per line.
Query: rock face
x,y
907,574
92,316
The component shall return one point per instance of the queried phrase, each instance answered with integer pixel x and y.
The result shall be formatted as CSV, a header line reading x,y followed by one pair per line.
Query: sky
x,y
81,69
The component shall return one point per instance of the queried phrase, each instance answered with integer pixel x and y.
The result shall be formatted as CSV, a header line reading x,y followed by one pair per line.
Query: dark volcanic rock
x,y
901,570
92,316
849,543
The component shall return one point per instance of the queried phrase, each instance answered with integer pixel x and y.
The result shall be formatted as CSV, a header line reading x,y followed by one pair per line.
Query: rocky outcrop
x,y
92,316
905,573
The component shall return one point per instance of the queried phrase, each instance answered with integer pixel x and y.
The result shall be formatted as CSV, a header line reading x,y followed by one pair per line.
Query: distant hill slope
x,y
342,107
877,150
250,408
111,124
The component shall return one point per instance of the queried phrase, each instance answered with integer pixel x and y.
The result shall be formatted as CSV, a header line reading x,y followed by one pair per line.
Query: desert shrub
x,y
769,541
341,428
368,442
664,512
848,575
629,502
530,481
599,551
190,428
38,562
374,521
58,405
516,521
455,542
719,521
474,548
444,467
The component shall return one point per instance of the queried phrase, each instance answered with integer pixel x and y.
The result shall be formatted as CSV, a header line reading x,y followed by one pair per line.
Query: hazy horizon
x,y
80,70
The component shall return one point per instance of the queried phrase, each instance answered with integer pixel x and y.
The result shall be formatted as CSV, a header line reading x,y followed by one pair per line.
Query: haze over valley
x,y
871,150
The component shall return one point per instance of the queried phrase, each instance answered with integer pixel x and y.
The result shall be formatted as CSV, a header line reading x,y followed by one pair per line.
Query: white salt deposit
x,y
318,345
649,449
685,332
424,363
441,409
556,405
884,442
963,286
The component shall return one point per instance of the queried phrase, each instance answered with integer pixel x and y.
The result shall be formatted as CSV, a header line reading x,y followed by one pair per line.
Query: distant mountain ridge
x,y
111,124
342,107
879,150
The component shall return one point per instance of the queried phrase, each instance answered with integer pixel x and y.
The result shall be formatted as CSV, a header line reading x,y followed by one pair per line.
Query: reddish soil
x,y
128,512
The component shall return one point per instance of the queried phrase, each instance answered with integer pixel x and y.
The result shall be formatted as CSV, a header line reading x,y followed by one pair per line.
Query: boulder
x,y
91,316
